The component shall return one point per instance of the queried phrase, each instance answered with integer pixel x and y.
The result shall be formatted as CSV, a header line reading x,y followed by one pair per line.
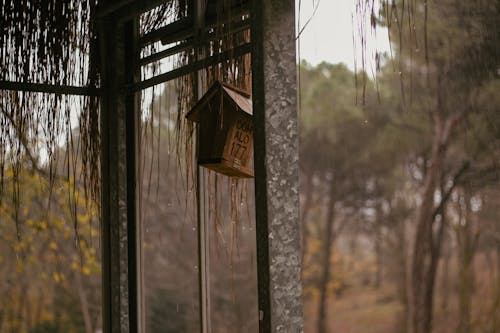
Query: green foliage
x,y
378,153
334,128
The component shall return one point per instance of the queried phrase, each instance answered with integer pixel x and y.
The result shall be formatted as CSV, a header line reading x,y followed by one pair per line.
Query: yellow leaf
x,y
85,270
91,260
83,218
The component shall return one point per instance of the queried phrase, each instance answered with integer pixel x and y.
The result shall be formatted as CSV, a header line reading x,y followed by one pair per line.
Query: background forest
x,y
400,191
400,178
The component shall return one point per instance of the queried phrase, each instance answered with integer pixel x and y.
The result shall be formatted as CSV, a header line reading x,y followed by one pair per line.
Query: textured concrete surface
x,y
276,164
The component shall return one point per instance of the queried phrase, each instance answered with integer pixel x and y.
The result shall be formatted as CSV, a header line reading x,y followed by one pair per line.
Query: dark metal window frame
x,y
276,165
275,161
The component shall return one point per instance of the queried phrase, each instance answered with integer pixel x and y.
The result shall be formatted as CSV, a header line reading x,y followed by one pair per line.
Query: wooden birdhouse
x,y
225,136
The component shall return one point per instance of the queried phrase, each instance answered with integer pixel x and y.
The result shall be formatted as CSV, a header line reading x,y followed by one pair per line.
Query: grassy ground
x,y
358,310
365,309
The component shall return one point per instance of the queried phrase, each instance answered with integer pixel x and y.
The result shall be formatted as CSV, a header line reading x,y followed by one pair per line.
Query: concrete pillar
x,y
276,166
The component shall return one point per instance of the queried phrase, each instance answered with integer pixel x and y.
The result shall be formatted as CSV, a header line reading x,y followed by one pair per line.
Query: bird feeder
x,y
225,136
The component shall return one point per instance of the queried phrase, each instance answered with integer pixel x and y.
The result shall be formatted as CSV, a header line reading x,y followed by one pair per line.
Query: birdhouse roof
x,y
240,98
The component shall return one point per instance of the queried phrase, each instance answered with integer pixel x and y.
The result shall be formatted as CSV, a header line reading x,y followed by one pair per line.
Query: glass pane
x,y
168,217
50,268
229,214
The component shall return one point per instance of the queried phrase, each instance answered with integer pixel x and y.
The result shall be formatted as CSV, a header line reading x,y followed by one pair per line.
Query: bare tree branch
x,y
449,191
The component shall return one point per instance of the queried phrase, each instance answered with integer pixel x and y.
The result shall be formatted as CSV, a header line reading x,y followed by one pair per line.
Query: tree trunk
x,y
422,278
39,307
305,212
422,309
467,239
83,303
402,272
445,278
327,254
28,315
495,307
20,317
378,254
465,290
427,246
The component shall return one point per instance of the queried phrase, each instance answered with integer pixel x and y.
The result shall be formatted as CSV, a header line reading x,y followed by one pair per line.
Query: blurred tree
x,y
170,235
402,157
50,274
442,65
335,133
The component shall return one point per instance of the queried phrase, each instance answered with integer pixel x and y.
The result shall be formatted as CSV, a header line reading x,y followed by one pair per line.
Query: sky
x,y
329,34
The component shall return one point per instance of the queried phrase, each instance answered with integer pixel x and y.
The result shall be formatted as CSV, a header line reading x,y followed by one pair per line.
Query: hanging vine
x,y
49,42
